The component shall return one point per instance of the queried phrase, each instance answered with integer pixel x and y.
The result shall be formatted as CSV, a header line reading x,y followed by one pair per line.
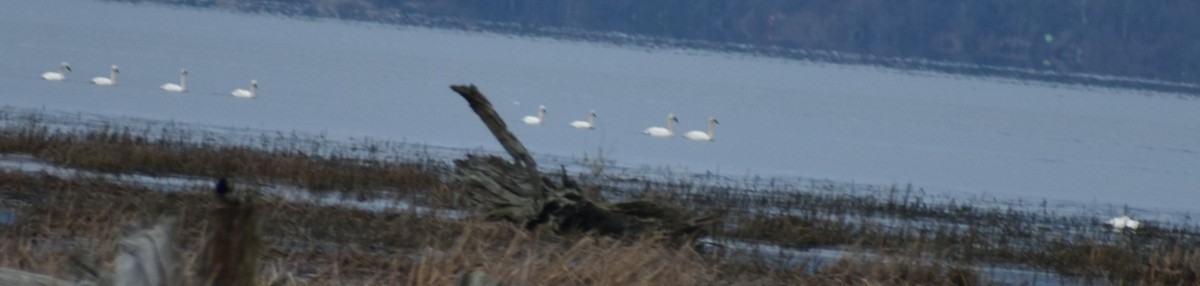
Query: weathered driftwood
x,y
517,192
147,256
483,107
82,270
475,278
499,188
21,278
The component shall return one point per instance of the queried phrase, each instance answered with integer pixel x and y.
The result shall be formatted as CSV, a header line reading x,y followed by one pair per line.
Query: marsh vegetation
x,y
97,173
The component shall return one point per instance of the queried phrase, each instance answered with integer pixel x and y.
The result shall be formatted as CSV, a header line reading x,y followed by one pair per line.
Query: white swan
x,y
1123,222
110,80
247,93
589,124
702,136
536,120
182,86
663,132
60,75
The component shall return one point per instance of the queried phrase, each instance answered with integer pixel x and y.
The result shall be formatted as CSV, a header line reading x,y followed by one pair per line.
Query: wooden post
x,y
230,256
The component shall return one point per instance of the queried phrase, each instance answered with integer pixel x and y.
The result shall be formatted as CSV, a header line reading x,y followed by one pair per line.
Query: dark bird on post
x,y
222,188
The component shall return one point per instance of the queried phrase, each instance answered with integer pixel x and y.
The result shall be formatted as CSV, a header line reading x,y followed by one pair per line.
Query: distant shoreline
x,y
1086,80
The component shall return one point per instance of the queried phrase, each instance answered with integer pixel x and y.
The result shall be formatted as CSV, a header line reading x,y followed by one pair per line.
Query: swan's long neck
x,y
182,81
592,118
541,114
62,69
670,125
253,88
712,129
113,75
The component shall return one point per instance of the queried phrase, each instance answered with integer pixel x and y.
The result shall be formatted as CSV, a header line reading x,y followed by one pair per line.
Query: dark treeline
x,y
1129,38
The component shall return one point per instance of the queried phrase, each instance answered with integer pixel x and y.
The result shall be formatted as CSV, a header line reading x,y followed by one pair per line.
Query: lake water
x,y
778,117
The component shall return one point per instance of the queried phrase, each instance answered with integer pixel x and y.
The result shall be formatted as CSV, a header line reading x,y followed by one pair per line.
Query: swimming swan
x,y
702,136
531,120
58,76
1123,222
110,80
247,93
589,124
182,86
663,132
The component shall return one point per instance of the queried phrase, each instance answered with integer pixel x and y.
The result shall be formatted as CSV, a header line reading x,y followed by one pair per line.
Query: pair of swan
x,y
695,135
182,86
578,124
65,67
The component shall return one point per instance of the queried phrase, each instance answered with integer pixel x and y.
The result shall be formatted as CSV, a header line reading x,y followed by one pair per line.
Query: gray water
x,y
942,133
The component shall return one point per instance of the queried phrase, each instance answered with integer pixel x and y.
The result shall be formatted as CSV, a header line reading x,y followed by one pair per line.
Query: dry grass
x,y
526,260
311,245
